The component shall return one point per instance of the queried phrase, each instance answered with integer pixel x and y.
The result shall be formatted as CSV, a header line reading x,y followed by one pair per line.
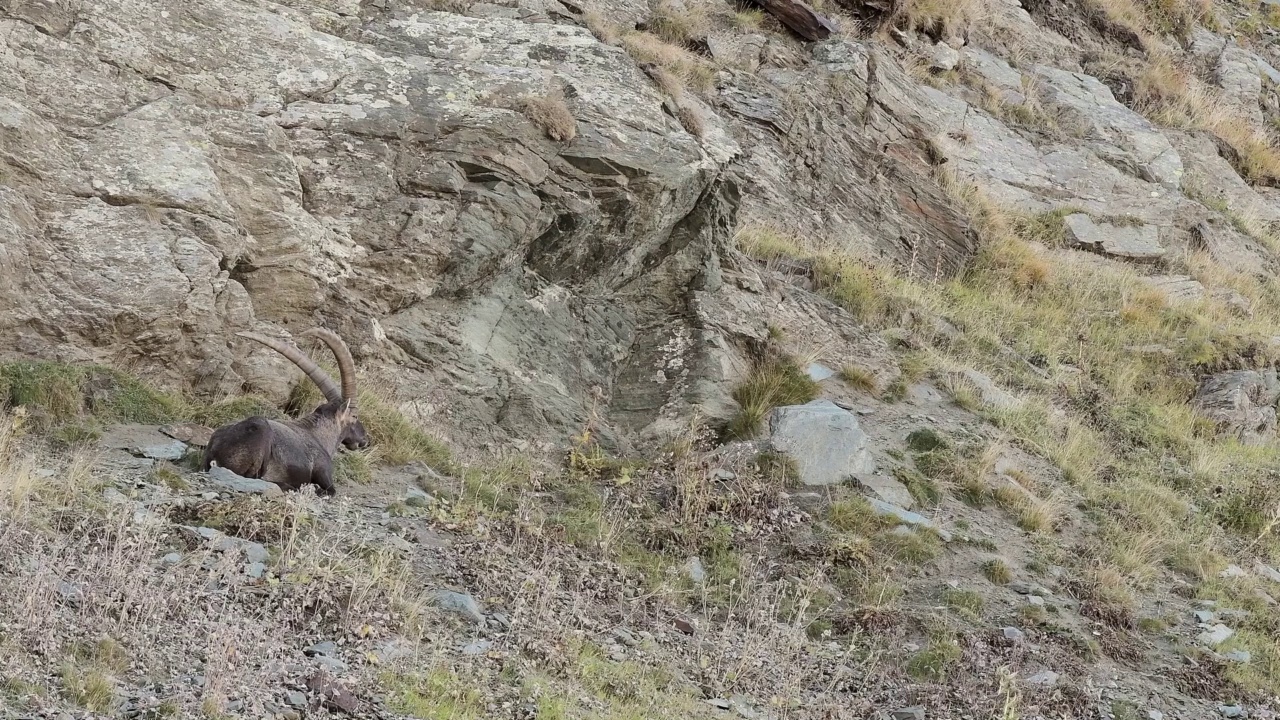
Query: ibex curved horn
x,y
308,366
346,364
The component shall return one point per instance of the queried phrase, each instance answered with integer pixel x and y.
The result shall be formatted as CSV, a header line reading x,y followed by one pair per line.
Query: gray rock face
x,y
143,441
1140,242
270,164
1114,132
1241,402
824,440
1240,78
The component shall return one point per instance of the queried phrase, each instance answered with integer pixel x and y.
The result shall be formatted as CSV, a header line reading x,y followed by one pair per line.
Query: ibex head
x,y
340,402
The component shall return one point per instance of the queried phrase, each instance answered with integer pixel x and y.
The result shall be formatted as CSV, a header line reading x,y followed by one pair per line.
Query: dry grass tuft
x,y
944,19
772,383
1172,95
680,22
552,116
691,119
687,68
605,31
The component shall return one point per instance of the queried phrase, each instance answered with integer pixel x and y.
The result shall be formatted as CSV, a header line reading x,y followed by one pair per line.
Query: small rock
x,y
1020,587
723,475
392,650
915,712
332,694
693,568
327,648
233,706
460,603
255,570
477,647
1046,678
943,58
1155,715
1233,571
1239,656
1035,600
331,664
1215,635
1232,711
1267,572
743,707
163,451
417,498
114,496
71,593
172,558
819,372
296,699
884,509
1205,616
1013,634
684,626
625,637
721,703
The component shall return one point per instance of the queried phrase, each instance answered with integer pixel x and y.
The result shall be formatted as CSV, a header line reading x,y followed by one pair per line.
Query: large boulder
x,y
824,440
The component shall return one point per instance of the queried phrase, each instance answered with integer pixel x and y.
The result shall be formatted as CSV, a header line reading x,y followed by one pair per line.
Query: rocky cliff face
x,y
176,173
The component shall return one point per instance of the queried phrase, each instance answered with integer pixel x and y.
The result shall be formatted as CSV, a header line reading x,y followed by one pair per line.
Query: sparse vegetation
x,y
997,571
773,383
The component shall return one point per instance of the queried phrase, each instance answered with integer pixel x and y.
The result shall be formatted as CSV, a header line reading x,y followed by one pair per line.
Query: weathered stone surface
x,y
1239,77
836,136
1177,288
460,604
1140,242
1020,174
1215,635
824,439
997,74
1115,133
143,441
991,394
224,479
1241,402
888,489
943,58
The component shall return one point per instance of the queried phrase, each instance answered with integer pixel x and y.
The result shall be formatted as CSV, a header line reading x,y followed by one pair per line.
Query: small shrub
x,y
353,467
997,571
855,515
88,687
965,602
166,474
914,546
924,490
681,25
689,69
772,384
933,662
552,116
927,440
859,378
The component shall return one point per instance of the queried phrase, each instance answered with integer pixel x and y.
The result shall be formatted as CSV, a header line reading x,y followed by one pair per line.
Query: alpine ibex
x,y
295,452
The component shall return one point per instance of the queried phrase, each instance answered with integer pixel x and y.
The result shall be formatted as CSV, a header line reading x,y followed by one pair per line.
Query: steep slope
x,y
1008,271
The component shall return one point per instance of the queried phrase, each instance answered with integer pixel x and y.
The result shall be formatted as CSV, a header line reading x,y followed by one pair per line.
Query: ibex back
x,y
293,453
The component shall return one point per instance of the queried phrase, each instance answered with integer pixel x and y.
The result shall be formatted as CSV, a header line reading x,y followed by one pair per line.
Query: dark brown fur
x,y
292,453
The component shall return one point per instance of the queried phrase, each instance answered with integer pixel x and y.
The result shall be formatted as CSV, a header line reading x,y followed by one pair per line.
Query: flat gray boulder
x,y
1135,242
824,440
226,480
